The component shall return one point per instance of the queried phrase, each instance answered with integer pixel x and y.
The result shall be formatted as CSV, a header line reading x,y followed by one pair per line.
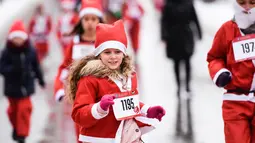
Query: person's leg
x,y
134,35
253,127
177,75
188,73
237,125
24,112
12,112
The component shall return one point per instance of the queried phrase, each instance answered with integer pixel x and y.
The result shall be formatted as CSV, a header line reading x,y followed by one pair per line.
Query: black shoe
x,y
20,139
14,135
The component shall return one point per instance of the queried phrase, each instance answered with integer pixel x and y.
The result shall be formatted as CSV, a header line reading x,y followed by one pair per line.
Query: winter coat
x,y
221,59
19,67
176,29
95,82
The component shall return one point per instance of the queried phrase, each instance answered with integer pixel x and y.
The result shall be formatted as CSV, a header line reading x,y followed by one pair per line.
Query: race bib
x,y
244,48
80,51
40,25
126,107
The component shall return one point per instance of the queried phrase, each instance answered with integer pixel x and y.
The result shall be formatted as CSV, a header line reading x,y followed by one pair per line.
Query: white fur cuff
x,y
144,110
98,112
218,74
60,93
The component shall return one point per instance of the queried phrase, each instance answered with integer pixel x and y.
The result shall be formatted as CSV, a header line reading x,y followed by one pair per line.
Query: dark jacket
x,y
19,67
176,31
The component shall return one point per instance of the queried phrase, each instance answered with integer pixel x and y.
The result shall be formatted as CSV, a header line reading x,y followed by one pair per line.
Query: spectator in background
x,y
176,32
19,67
66,23
39,30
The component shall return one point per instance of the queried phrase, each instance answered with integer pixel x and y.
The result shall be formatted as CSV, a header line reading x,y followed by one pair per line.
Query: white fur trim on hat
x,y
95,11
110,45
20,34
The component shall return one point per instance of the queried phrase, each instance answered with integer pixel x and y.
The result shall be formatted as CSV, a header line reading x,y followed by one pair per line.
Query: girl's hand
x,y
107,101
156,112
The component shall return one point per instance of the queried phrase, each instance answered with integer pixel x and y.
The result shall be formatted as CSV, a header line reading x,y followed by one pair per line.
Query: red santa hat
x,y
17,30
67,4
91,7
110,37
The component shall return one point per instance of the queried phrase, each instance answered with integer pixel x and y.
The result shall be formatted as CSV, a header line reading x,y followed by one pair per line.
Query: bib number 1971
x,y
244,48
248,47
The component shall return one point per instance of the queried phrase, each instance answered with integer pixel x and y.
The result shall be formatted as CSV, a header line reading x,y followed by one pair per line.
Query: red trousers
x,y
42,50
239,121
19,113
134,32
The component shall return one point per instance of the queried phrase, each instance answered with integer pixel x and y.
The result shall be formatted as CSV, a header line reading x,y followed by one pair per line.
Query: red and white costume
x,y
132,14
95,126
39,30
98,128
66,23
77,49
238,105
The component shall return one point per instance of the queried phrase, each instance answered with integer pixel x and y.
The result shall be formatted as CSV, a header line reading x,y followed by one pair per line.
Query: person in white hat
x,y
103,89
20,67
231,66
82,44
39,29
66,22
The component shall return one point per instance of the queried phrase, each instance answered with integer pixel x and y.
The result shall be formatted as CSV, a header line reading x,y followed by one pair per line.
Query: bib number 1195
x,y
126,107
127,104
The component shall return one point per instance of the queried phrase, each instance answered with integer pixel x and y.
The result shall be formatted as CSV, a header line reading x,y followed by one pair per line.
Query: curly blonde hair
x,y
79,69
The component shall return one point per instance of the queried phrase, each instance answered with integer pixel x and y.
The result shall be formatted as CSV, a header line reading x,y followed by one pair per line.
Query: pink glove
x,y
156,112
107,101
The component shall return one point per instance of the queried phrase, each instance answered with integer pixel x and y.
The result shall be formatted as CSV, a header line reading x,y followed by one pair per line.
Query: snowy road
x,y
187,121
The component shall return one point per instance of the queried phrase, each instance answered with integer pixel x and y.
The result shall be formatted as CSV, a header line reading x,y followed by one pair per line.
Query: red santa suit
x,y
76,50
66,23
132,14
95,126
238,100
39,29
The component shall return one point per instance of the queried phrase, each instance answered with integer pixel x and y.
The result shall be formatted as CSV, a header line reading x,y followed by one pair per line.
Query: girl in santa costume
x,y
66,23
39,30
19,67
232,66
82,44
103,88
